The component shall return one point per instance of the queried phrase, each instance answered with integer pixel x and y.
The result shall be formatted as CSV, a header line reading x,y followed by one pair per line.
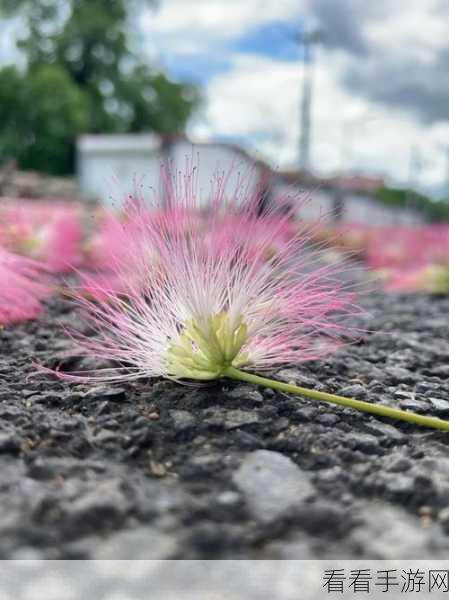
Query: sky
x,y
380,80
380,88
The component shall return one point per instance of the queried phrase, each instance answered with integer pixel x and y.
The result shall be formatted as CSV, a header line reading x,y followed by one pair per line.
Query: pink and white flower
x,y
21,288
48,231
234,292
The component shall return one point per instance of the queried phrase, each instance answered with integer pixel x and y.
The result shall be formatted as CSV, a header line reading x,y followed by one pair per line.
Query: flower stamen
x,y
206,350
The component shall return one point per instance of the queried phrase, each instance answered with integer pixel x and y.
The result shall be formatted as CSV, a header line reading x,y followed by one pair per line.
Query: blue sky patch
x,y
277,40
197,68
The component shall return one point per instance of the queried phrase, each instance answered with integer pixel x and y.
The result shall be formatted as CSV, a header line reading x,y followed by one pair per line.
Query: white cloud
x,y
261,95
258,98
185,26
217,18
416,32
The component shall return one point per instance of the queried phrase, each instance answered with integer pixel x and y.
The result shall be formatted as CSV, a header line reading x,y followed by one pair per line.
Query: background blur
x,y
347,101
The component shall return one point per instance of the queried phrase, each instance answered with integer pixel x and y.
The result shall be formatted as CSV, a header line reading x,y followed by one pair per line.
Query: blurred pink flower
x,y
404,247
49,231
433,279
21,288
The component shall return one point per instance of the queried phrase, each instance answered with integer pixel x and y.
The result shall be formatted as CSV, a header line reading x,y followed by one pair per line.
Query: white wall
x,y
109,177
314,204
110,166
109,174
213,160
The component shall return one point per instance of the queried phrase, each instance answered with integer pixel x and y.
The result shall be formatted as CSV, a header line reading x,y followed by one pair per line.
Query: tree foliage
x,y
434,210
82,75
42,112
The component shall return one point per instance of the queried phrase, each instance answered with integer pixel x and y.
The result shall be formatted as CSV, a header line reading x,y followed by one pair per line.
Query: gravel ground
x,y
158,470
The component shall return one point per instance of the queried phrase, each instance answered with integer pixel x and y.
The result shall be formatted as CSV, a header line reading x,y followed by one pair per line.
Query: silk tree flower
x,y
47,231
105,248
432,278
110,258
195,310
408,247
21,288
110,252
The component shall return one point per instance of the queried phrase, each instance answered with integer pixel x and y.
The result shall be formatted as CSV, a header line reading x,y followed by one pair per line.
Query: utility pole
x,y
307,39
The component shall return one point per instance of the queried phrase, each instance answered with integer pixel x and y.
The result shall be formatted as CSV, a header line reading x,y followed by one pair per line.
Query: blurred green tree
x,y
434,210
42,112
103,85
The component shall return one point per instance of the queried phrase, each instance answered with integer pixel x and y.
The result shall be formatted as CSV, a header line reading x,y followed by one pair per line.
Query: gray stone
x,y
322,518
114,394
385,429
330,475
386,533
398,484
399,464
52,467
290,375
353,391
402,394
400,374
27,554
271,484
103,436
228,498
441,371
246,393
443,518
182,420
424,386
328,419
299,548
414,405
365,442
9,442
308,413
232,419
107,503
144,543
441,407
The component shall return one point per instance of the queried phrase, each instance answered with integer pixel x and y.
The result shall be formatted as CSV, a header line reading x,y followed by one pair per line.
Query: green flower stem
x,y
375,409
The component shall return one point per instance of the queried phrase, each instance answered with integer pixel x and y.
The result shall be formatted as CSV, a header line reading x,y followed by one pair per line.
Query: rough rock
x,y
144,543
387,533
155,468
271,484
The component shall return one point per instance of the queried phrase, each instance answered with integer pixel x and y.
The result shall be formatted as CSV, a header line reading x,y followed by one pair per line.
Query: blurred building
x,y
107,163
109,166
